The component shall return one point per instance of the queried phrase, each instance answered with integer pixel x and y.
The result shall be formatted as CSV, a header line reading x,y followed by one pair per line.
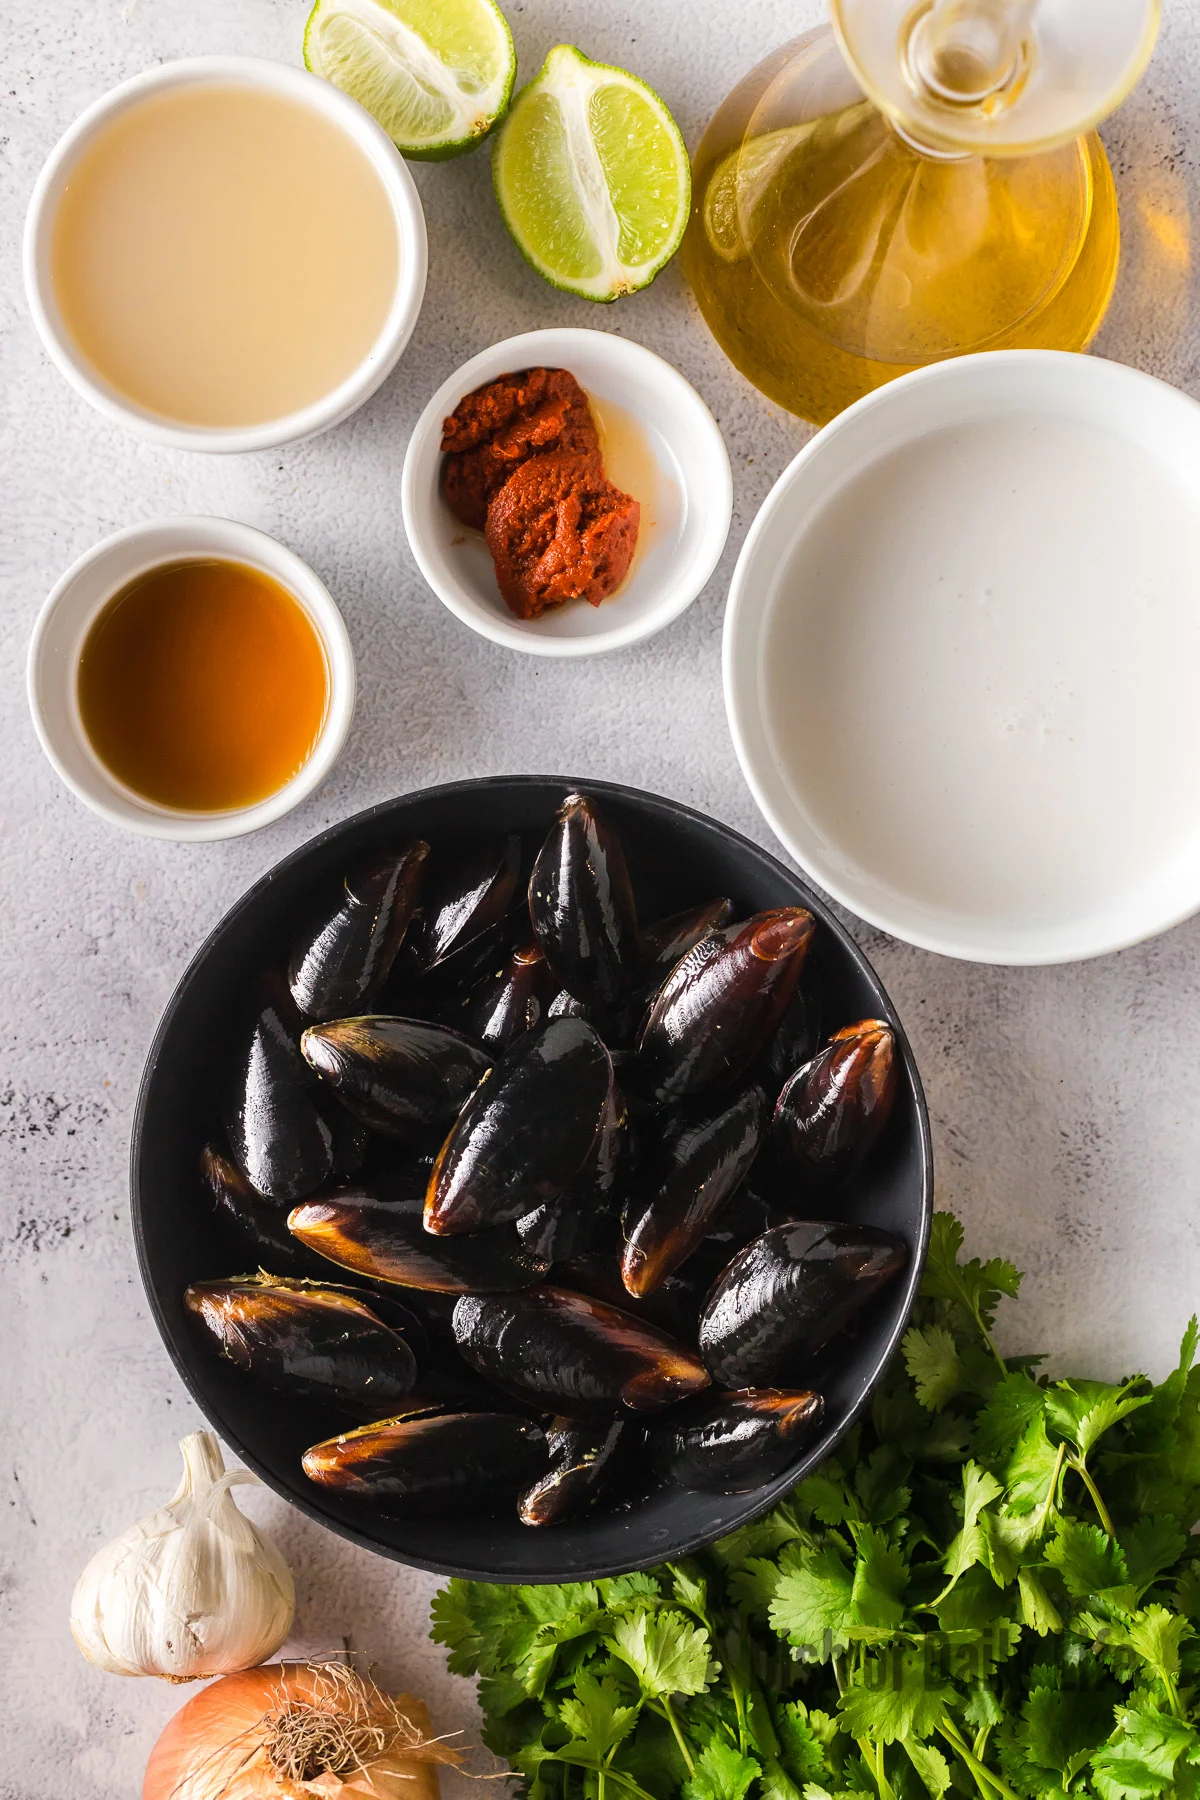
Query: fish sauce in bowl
x,y
203,686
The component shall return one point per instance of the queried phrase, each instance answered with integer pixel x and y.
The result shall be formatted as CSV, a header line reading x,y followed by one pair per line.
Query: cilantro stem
x,y
1048,1502
668,1713
1084,1473
624,1781
980,1771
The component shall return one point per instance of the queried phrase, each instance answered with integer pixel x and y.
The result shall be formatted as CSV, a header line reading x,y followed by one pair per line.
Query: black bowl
x,y
677,857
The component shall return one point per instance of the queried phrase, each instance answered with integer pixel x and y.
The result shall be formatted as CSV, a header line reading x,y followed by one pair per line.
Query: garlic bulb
x,y
193,1589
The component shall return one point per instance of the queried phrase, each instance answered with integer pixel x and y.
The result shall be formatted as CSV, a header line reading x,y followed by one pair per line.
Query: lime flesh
x,y
592,177
436,74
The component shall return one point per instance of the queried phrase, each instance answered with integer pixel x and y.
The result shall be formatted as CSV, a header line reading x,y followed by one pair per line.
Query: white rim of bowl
x,y
520,352
1000,954
309,592
412,246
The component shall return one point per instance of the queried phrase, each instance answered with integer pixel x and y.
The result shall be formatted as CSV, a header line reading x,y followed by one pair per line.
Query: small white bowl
x,y
272,78
63,624
695,500
1014,842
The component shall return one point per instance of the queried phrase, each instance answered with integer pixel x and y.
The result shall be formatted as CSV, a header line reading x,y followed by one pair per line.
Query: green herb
x,y
991,1591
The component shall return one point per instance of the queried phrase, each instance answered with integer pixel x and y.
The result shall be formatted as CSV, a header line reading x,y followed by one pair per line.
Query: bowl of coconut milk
x,y
225,254
962,657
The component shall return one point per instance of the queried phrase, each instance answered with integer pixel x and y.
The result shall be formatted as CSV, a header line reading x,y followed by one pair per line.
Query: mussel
x,y
787,1293
386,1241
581,905
339,965
582,1459
525,1133
691,1174
832,1111
466,907
307,1340
257,1224
567,1225
716,1009
513,999
276,1133
397,1076
573,1353
349,1140
449,1460
732,1443
668,941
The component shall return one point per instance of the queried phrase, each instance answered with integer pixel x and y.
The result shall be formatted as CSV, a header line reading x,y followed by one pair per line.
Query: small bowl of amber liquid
x,y
191,679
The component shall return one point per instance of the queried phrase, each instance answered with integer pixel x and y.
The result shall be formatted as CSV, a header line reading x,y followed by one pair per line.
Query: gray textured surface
x,y
1063,1100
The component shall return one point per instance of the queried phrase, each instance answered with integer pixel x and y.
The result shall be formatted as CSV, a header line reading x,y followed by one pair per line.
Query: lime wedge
x,y
436,74
592,177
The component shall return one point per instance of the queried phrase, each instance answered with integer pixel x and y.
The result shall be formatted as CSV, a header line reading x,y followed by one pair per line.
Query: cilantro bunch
x,y
991,1591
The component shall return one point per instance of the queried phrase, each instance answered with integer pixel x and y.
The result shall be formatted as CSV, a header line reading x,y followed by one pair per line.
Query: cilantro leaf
x,y
595,1717
931,1358
1088,1561
880,1578
1142,1754
668,1654
975,1286
803,1739
813,1598
1151,1545
1031,1469
1082,1411
1038,1611
722,1772
894,1697
1014,1404
1060,1729
980,1489
930,1765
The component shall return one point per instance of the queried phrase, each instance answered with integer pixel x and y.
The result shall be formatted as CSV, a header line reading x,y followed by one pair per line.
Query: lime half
x,y
592,177
436,74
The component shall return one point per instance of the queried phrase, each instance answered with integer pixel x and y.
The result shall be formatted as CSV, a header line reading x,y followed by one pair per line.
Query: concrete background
x,y
1063,1100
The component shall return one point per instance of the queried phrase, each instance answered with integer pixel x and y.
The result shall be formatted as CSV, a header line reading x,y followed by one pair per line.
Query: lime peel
x,y
432,105
576,89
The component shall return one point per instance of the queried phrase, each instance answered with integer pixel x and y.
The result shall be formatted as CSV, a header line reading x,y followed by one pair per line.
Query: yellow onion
x,y
297,1731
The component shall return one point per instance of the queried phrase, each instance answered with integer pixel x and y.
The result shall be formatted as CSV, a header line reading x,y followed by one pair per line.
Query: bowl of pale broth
x,y
191,679
225,254
962,654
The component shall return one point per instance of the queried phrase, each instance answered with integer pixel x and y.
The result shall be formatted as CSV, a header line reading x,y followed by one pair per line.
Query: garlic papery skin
x,y
193,1589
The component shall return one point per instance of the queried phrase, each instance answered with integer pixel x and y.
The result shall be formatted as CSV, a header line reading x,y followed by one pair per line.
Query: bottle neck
x,y
969,53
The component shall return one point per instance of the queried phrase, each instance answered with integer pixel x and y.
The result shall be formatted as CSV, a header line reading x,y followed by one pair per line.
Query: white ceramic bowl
x,y
1125,901
273,78
695,499
64,622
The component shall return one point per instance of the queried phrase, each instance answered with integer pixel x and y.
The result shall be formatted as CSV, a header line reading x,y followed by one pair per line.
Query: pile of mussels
x,y
568,1143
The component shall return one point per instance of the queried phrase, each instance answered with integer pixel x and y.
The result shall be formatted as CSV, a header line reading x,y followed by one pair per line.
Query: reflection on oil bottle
x,y
830,250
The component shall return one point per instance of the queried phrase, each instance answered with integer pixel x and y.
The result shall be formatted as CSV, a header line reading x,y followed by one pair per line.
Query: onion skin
x,y
204,1752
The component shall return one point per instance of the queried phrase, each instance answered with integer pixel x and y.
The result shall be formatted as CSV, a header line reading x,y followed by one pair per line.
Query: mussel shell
x,y
339,965
258,1225
581,905
386,1241
459,1461
525,1133
467,904
510,1000
831,1113
276,1133
690,1176
668,941
308,1340
568,1225
732,1443
787,1293
402,1077
583,1459
721,1002
566,1005
349,1138
573,1353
